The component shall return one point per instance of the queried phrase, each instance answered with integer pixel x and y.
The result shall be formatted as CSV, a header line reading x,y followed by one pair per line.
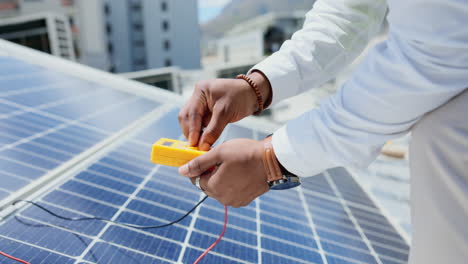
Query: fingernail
x,y
205,146
183,170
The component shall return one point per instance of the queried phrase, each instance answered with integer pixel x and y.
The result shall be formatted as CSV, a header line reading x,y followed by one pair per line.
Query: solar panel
x,y
329,219
48,117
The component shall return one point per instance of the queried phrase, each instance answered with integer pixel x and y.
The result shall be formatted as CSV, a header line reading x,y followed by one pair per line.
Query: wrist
x,y
264,86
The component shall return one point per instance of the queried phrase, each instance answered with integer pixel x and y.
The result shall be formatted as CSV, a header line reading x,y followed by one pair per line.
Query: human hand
x,y
238,176
216,103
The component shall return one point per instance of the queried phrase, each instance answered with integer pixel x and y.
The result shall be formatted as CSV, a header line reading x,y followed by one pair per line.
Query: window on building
x,y
165,25
138,42
168,63
106,9
139,64
135,5
110,48
108,28
164,6
167,45
138,26
71,21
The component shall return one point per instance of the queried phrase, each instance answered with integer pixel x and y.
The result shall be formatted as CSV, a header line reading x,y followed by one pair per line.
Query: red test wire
x,y
219,238
13,258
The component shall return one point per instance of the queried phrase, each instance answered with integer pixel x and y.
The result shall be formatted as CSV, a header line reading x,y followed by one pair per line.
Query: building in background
x,y
145,34
47,32
84,18
167,78
253,40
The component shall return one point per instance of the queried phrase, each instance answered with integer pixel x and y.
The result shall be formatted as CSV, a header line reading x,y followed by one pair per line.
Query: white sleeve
x,y
334,33
398,82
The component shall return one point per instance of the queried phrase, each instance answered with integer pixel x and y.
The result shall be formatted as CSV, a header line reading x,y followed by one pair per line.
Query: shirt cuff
x,y
299,151
281,74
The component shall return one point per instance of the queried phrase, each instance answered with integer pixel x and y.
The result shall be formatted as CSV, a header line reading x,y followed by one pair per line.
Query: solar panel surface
x,y
329,219
47,118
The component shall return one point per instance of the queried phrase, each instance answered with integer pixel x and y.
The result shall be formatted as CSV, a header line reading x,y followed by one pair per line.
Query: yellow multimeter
x,y
175,153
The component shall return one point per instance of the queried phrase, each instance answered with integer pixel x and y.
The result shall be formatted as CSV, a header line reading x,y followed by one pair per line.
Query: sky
x,y
208,9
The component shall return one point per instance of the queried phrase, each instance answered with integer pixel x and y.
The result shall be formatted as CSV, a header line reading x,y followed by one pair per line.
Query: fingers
x,y
200,165
195,124
191,117
204,179
218,122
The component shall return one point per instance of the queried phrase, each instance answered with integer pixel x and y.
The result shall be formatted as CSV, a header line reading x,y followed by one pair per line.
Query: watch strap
x,y
283,170
271,164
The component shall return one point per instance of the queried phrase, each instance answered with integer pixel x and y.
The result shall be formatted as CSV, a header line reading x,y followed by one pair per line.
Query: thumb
x,y
200,164
214,129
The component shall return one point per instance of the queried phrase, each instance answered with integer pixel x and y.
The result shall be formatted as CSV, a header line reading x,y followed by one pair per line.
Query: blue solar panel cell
x,y
268,257
167,126
106,182
165,200
118,174
304,252
336,260
89,228
23,170
341,239
348,252
390,252
295,211
30,159
6,139
346,230
174,232
6,109
228,248
30,253
387,261
10,182
57,144
192,254
233,233
127,112
39,119
142,242
158,211
96,193
44,236
396,243
80,204
44,151
105,253
43,97
285,223
287,235
218,215
14,131
128,166
165,188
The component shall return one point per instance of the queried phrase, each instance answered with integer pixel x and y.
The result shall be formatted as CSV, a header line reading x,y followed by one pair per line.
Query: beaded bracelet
x,y
257,92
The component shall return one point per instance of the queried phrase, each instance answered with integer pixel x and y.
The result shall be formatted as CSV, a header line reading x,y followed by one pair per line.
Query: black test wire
x,y
110,221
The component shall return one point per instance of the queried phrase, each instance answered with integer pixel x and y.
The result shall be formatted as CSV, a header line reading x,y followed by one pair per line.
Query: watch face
x,y
288,183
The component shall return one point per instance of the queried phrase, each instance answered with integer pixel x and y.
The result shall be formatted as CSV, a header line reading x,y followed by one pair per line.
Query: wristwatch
x,y
278,177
